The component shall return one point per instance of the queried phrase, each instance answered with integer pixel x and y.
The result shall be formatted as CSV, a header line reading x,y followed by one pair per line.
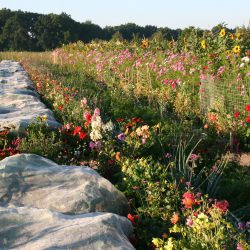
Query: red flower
x,y
82,135
136,120
77,130
248,107
222,205
119,119
188,199
133,218
60,107
248,119
236,114
87,117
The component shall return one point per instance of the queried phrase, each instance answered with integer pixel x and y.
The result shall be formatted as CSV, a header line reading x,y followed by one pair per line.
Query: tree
x,y
15,36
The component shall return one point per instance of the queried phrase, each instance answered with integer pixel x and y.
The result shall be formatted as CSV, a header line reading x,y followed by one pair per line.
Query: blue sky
x,y
162,13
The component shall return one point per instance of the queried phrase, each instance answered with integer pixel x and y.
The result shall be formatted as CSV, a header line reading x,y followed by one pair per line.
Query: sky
x,y
161,13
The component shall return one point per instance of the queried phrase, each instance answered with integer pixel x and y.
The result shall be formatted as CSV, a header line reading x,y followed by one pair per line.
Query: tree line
x,y
27,31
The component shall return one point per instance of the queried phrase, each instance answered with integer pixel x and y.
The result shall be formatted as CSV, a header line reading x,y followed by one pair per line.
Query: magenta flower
x,y
92,145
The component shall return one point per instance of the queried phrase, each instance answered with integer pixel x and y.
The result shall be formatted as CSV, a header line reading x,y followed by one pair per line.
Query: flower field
x,y
158,119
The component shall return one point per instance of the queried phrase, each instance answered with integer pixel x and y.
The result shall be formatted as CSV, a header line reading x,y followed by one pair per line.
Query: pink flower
x,y
203,77
239,77
96,112
121,137
143,140
168,155
194,157
221,70
189,222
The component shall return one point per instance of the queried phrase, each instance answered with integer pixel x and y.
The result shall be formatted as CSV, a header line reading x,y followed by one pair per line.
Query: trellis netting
x,y
229,96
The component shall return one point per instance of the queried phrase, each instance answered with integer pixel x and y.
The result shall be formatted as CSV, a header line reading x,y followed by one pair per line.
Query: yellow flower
x,y
231,36
145,43
170,244
238,35
203,44
157,242
44,118
222,32
174,229
236,49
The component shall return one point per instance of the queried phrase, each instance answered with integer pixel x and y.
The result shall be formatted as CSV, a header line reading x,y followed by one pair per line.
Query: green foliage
x,y
41,140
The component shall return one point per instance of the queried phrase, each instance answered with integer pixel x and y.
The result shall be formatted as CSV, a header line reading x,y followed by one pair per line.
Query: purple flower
x,y
98,145
248,224
92,145
121,137
241,225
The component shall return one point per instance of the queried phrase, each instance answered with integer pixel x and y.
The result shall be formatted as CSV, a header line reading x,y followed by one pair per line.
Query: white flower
x,y
245,59
108,126
96,123
95,135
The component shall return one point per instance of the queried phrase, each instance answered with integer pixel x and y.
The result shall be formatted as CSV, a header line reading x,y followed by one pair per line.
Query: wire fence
x,y
225,95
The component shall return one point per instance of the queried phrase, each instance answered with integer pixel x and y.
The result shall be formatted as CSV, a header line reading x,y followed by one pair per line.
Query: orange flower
x,y
212,117
188,199
175,218
118,156
206,126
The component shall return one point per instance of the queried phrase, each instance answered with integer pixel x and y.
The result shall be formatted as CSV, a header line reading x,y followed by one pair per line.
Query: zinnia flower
x,y
188,199
248,119
175,218
133,218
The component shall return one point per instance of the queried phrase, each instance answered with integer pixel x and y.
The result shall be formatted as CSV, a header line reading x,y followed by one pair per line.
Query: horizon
x,y
143,12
